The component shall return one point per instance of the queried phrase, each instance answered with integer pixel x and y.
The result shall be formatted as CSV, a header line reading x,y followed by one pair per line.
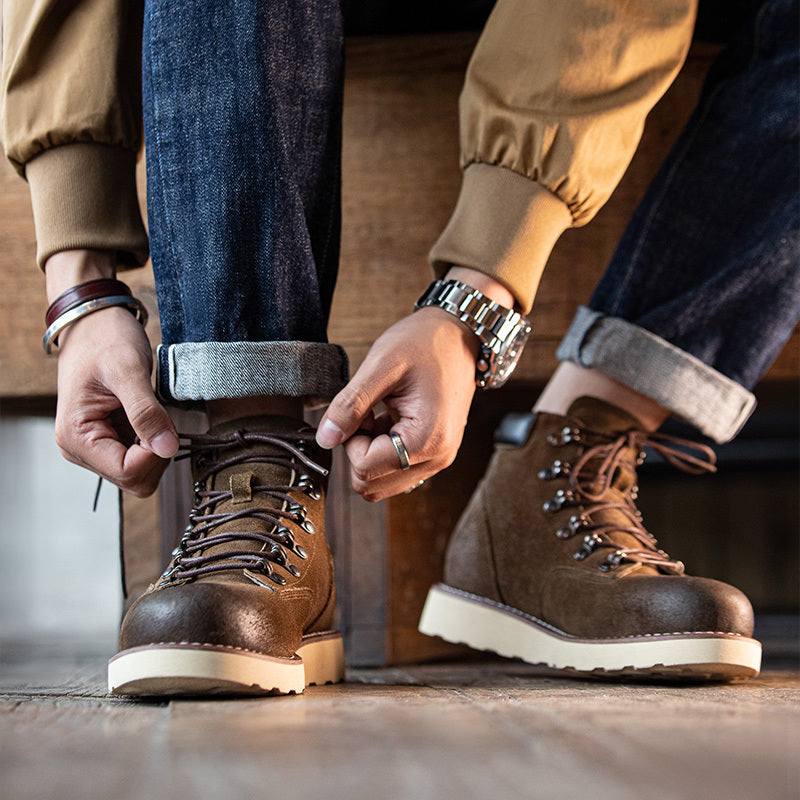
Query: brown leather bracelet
x,y
83,293
136,307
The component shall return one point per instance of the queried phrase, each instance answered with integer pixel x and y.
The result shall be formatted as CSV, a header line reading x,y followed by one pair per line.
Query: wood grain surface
x,y
480,729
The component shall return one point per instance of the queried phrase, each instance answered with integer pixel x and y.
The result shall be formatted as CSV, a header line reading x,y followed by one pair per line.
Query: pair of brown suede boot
x,y
549,563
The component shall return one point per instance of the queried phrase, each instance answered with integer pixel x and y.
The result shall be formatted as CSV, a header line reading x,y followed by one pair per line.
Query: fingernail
x,y
329,435
165,444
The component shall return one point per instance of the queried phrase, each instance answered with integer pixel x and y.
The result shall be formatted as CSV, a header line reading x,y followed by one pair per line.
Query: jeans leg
x,y
242,110
704,288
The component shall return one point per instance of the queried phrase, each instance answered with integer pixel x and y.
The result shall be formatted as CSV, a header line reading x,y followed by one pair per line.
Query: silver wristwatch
x,y
501,331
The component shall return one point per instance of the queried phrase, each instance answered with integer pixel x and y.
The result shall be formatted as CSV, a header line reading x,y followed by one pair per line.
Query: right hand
x,y
106,400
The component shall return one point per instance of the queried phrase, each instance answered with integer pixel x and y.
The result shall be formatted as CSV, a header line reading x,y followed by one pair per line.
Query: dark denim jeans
x,y
704,288
242,109
242,106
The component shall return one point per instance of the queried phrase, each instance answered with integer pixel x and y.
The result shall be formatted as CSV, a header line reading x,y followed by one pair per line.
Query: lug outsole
x,y
464,618
175,669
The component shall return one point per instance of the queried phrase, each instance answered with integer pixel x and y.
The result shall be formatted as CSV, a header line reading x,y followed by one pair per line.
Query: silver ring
x,y
401,451
415,486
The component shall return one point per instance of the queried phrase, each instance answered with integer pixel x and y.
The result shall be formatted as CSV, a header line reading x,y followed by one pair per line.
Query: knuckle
x,y
360,475
354,401
447,459
365,490
143,412
433,447
62,438
66,455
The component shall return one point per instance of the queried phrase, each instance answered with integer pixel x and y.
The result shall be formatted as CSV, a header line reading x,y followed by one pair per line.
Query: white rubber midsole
x,y
165,668
461,617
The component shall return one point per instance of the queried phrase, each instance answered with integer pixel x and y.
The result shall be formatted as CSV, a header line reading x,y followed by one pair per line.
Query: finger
x,y
390,485
374,458
133,469
148,418
354,403
371,459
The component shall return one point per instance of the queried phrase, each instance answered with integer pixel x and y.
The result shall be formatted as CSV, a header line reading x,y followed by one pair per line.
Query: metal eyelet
x,y
300,513
278,555
612,562
590,543
566,436
558,469
563,498
288,541
309,487
577,522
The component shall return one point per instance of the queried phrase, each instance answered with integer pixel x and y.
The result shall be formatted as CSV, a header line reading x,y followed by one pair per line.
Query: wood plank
x,y
476,729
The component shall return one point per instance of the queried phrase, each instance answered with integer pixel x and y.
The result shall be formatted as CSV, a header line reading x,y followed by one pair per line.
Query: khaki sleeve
x,y
71,120
551,112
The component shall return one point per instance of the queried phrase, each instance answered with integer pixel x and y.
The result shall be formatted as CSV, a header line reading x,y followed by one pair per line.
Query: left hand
x,y
423,368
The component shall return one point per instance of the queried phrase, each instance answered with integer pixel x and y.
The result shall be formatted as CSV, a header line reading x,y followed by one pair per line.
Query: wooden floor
x,y
485,728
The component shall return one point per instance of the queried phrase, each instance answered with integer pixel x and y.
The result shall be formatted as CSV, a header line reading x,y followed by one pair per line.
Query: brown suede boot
x,y
246,605
550,561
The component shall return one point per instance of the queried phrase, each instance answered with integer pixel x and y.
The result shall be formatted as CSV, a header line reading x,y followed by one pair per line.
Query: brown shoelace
x,y
591,486
269,546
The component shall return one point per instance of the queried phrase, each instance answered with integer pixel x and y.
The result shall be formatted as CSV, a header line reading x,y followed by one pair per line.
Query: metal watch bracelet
x,y
501,331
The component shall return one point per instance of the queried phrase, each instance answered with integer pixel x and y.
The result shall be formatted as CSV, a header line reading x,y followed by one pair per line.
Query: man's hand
x,y
105,399
423,368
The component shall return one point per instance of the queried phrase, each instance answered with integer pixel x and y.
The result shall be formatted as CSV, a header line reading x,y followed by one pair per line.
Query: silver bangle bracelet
x,y
84,309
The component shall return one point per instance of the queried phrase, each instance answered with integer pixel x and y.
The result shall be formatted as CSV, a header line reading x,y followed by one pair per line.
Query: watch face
x,y
506,360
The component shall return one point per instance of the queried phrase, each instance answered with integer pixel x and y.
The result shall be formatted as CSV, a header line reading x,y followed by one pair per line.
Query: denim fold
x,y
716,405
196,371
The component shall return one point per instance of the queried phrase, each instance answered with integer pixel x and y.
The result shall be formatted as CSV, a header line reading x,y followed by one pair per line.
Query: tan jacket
x,y
552,109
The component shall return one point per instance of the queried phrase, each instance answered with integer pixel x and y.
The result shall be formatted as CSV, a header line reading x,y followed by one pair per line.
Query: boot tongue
x,y
264,473
603,416
261,423
241,479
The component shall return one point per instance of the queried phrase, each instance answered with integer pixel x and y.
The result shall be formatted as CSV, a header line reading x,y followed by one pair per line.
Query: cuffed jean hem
x,y
716,405
191,372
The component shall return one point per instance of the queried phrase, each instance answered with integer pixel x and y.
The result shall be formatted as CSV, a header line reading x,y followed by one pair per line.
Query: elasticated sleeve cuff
x,y
505,225
84,197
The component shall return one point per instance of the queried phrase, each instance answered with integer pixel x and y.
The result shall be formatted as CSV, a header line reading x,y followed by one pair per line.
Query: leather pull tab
x,y
242,487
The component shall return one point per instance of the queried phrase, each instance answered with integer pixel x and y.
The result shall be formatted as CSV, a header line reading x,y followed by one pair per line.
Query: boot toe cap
x,y
595,607
210,613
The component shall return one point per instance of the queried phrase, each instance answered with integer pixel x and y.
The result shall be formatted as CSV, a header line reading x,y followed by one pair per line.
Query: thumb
x,y
351,407
148,418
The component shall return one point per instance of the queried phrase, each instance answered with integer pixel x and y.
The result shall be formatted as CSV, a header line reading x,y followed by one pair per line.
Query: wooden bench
x,y
400,181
